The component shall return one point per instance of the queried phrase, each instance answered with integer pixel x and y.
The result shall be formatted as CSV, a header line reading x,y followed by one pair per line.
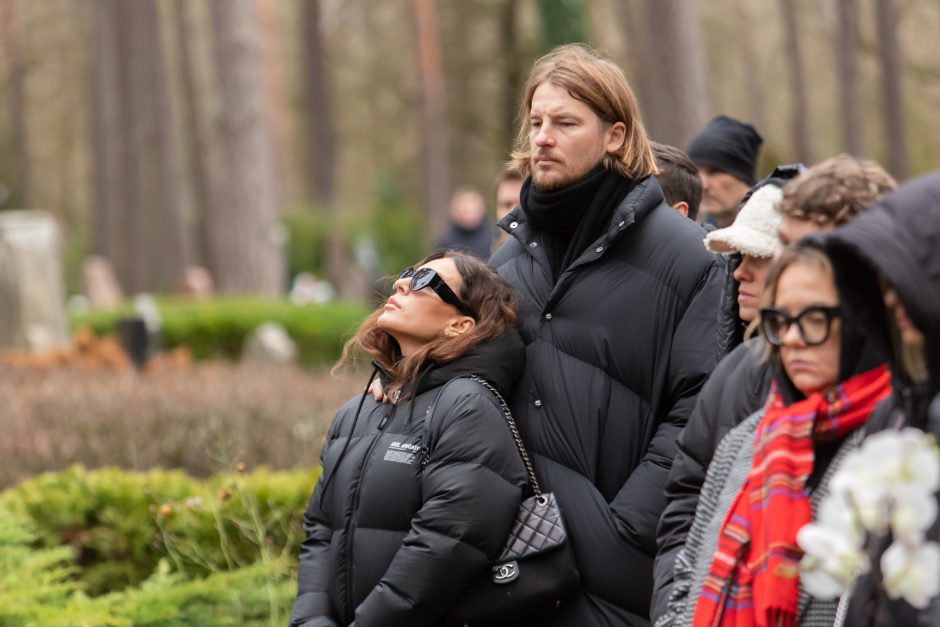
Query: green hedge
x,y
37,588
120,525
218,327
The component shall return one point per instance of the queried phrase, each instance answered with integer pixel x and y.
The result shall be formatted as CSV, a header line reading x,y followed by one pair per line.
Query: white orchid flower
x,y
831,561
859,482
913,511
836,513
912,573
887,484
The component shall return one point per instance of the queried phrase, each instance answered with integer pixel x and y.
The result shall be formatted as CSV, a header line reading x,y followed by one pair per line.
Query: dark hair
x,y
835,190
489,296
508,173
800,252
678,177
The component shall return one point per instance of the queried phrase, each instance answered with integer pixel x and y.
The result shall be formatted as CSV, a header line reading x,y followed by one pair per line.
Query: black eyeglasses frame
x,y
831,312
428,277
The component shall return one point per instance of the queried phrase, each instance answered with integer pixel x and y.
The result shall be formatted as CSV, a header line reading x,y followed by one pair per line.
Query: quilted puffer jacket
x,y
391,542
616,351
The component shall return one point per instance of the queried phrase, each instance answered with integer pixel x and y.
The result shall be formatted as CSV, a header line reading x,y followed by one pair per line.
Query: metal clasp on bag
x,y
505,573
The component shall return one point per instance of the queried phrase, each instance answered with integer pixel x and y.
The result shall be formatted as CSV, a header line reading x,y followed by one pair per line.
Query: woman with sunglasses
x,y
739,565
417,496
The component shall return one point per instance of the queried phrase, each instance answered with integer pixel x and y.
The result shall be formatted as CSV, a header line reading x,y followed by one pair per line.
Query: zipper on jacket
x,y
384,422
354,519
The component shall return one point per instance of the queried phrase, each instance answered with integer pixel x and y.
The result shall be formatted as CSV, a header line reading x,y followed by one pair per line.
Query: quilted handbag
x,y
535,571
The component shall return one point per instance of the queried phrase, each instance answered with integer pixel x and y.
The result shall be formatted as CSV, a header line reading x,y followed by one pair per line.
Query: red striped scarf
x,y
754,575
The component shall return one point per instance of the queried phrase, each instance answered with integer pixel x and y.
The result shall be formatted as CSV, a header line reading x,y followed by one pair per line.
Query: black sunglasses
x,y
426,277
814,324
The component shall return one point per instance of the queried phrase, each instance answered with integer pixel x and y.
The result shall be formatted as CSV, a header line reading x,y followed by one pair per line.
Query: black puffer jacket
x,y
393,544
735,390
616,351
899,240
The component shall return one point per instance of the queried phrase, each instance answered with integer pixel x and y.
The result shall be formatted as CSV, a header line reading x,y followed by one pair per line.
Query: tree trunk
x,y
17,100
638,47
799,121
161,234
679,102
103,113
749,56
200,157
562,22
278,111
432,117
321,139
893,109
846,43
242,225
126,258
512,76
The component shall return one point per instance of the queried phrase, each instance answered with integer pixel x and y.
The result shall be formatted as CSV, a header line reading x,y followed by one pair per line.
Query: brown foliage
x,y
200,418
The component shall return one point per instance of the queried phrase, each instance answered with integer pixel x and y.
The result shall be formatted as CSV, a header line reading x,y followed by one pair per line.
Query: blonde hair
x,y
599,83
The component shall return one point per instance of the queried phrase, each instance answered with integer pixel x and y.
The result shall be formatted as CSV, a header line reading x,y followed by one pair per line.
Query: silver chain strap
x,y
533,482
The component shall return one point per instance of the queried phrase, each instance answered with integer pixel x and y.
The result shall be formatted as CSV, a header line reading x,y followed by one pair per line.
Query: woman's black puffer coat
x,y
389,542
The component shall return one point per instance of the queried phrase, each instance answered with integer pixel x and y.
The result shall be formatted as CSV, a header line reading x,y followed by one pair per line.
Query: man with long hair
x,y
618,312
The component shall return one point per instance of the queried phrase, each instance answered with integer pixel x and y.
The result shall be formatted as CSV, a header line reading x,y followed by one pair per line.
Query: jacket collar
x,y
500,361
635,206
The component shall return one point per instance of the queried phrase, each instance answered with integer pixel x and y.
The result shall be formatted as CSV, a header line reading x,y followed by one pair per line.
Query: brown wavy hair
x,y
599,83
486,294
835,190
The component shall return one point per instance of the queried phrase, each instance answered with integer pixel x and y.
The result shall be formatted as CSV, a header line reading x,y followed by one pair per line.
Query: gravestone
x,y
100,284
269,344
32,294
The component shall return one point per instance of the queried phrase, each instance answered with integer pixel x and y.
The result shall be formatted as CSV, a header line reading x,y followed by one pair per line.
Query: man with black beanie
x,y
725,152
618,310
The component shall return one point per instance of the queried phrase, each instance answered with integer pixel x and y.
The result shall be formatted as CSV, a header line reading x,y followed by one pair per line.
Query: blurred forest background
x,y
262,138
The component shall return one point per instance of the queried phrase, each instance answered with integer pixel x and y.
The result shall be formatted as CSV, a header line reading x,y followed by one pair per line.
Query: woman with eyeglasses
x,y
739,565
417,496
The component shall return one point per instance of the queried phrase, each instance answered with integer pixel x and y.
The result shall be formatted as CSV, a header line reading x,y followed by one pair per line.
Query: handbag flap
x,y
538,528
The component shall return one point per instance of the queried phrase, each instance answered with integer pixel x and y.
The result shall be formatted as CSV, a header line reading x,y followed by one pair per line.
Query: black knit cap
x,y
727,145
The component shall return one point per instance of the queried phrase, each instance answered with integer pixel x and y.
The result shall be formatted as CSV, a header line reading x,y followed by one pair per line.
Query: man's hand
x,y
378,391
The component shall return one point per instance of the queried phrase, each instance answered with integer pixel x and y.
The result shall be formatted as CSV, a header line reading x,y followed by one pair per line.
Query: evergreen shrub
x,y
217,327
120,525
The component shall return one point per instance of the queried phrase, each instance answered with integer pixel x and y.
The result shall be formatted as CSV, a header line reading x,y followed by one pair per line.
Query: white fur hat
x,y
754,231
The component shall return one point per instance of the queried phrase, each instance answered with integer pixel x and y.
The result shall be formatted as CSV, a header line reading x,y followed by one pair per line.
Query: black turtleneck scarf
x,y
573,217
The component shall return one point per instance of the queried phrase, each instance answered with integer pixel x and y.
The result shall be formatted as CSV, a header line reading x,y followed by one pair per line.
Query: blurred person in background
x,y
618,312
827,195
470,231
398,527
740,561
679,179
725,153
508,186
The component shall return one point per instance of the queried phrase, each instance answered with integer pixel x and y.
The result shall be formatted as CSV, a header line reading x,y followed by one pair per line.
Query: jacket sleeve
x,y
638,505
472,490
684,484
312,605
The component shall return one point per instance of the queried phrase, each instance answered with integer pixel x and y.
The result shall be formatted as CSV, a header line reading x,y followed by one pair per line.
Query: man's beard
x,y
548,183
